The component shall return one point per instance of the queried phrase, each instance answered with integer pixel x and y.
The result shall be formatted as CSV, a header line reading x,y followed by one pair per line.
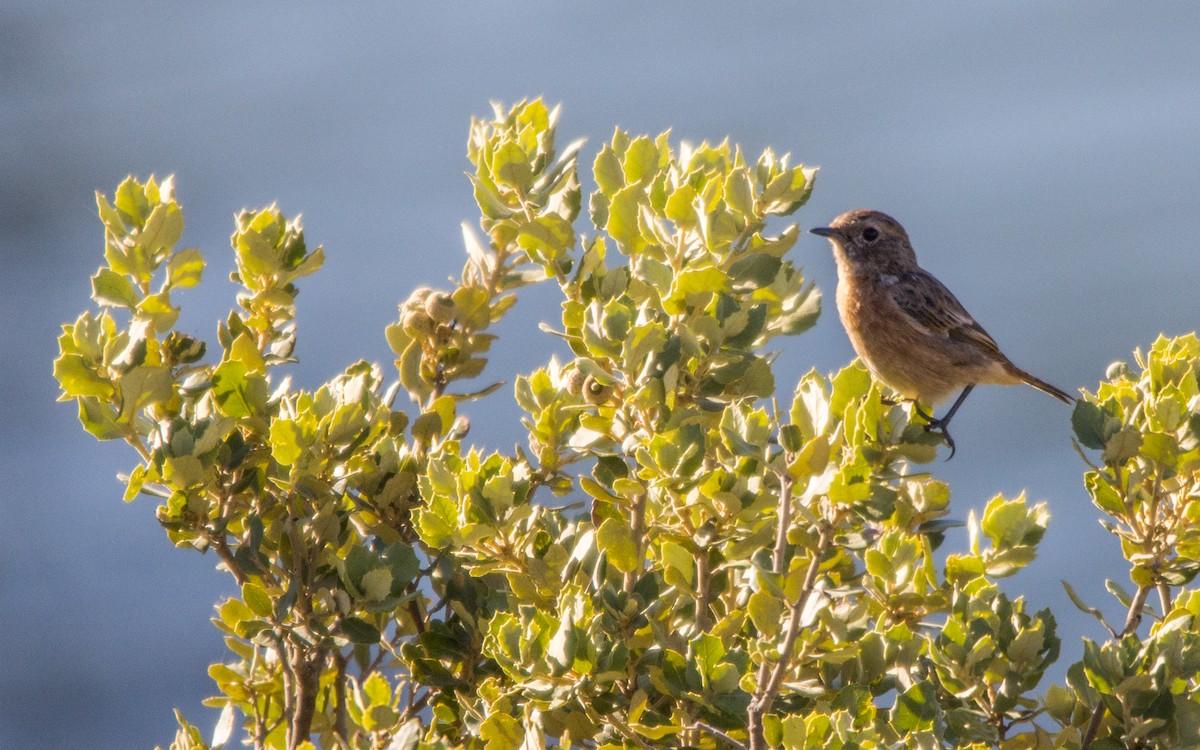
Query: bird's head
x,y
869,240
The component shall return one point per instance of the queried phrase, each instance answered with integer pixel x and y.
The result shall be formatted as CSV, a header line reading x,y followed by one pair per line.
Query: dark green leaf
x,y
359,631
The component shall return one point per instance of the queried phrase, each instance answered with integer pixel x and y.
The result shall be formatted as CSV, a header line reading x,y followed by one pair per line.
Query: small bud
x,y
459,429
397,421
440,306
417,323
595,392
575,380
181,349
1117,371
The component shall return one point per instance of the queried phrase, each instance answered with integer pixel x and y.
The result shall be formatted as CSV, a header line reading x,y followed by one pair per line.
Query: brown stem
x,y
1132,619
703,588
1164,598
614,722
221,545
785,521
306,670
770,679
637,527
288,678
339,688
718,733
134,439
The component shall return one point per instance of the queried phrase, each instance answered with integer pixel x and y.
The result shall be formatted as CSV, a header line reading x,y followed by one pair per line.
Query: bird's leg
x,y
941,424
921,412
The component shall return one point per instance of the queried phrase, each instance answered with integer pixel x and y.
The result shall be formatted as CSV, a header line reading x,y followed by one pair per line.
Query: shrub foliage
x,y
673,559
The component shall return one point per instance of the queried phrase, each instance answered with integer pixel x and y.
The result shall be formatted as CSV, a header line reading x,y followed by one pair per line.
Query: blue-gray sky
x,y
1042,156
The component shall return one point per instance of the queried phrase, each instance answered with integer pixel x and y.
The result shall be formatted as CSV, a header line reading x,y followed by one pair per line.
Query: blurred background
x,y
1042,156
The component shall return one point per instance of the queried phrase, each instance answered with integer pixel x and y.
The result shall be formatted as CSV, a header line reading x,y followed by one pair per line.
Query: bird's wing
x,y
930,306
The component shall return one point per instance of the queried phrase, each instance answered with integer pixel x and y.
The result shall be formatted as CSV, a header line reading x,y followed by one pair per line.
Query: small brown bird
x,y
906,325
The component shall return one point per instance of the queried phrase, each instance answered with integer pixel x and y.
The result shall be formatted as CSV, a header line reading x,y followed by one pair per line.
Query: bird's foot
x,y
933,424
939,426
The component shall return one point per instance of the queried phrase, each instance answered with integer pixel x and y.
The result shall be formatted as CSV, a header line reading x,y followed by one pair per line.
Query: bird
x,y
909,329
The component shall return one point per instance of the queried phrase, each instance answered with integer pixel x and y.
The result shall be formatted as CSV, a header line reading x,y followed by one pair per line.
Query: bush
x,y
723,572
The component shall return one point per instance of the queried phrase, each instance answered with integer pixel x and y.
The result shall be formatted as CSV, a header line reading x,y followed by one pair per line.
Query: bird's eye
x,y
870,234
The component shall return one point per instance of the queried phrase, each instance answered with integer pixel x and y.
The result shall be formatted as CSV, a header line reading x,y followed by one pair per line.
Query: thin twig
x,y
793,631
1164,598
339,721
718,733
637,529
1132,619
770,679
785,521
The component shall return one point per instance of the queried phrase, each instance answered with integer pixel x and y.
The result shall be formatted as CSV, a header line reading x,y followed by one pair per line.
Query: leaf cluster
x,y
671,559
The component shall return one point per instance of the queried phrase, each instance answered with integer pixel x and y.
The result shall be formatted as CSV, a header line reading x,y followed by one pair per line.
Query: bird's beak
x,y
824,231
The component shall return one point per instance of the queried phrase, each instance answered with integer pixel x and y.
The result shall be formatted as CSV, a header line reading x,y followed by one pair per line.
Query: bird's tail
x,y
1042,385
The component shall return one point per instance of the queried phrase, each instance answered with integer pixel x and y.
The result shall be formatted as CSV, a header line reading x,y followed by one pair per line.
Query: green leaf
x,y
288,441
616,539
510,164
244,350
427,427
608,172
916,708
1010,522
231,390
487,196
706,279
1104,494
163,229
754,270
801,312
131,201
561,647
1088,423
437,523
377,584
257,600
708,651
739,191
78,379
622,223
359,631
547,237
109,216
185,269
1083,607
766,612
114,290
789,190
1122,446
1160,448
311,264
641,161
99,419
376,690
680,567
183,472
472,305
680,207
403,564
501,732
962,569
158,309
143,386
